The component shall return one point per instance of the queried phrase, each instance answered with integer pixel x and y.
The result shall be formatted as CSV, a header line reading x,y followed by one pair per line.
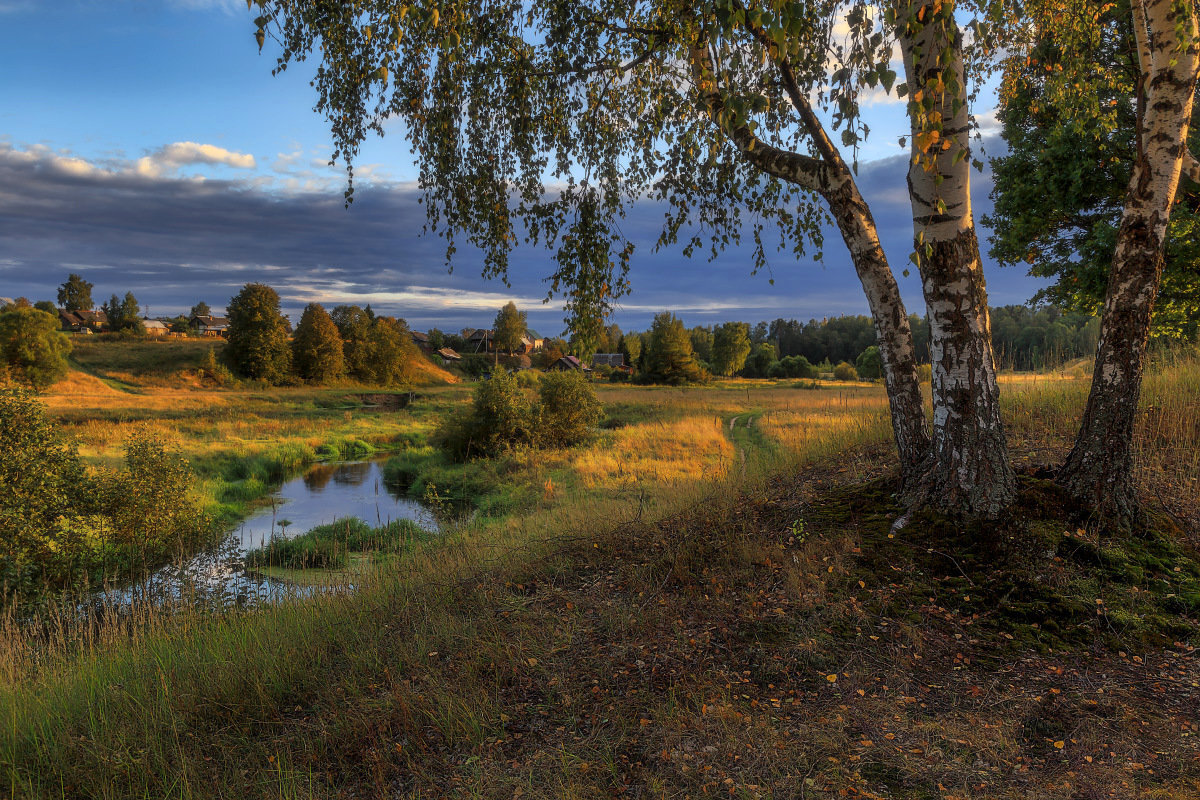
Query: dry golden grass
x,y
677,642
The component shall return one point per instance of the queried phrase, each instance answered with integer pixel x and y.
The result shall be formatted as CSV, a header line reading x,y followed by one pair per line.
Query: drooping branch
x,y
804,171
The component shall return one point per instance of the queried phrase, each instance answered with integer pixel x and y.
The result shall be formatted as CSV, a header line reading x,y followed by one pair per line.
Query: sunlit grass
x,y
417,670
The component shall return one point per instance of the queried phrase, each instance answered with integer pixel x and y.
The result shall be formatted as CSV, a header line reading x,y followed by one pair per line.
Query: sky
x,y
146,145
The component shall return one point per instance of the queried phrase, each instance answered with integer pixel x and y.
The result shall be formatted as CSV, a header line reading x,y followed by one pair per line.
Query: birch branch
x,y
804,171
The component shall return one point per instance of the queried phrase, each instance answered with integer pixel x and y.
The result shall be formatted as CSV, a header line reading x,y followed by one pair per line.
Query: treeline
x,y
1024,339
350,342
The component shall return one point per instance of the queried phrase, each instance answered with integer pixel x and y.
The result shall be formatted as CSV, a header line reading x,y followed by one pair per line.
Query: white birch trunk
x,y
970,473
830,177
1098,472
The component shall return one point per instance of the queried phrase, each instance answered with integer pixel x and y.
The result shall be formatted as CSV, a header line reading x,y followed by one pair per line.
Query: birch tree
x,y
1098,471
971,470
548,121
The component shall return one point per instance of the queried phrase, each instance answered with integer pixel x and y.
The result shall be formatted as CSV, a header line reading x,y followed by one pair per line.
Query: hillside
x,y
758,635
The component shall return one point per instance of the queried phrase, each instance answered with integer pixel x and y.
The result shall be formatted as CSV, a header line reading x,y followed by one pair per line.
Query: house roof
x,y
153,324
446,352
82,317
420,337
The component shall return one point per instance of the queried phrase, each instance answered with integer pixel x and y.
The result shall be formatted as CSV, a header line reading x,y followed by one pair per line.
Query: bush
x,y
845,372
503,416
499,419
869,364
568,410
529,379
62,525
798,367
32,349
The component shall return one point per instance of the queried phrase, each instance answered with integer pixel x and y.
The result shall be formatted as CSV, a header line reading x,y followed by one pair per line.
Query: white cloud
x,y
173,156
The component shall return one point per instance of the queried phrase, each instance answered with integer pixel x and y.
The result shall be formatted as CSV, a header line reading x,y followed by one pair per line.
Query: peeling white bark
x,y
971,473
1098,471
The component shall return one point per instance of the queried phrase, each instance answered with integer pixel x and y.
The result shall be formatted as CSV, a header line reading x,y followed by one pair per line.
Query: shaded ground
x,y
781,646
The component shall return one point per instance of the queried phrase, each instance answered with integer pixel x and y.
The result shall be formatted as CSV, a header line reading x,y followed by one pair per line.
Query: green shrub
x,y
797,367
845,372
869,364
529,378
32,349
499,419
62,526
568,409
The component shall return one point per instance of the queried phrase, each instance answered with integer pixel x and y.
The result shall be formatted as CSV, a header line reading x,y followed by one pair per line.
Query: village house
x,y
421,340
449,354
82,321
206,325
614,360
155,327
568,364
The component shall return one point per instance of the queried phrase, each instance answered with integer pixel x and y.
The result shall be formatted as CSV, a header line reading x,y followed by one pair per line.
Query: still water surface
x,y
329,492
217,578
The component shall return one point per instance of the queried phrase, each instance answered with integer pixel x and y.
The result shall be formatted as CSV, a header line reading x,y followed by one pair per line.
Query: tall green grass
x,y
292,699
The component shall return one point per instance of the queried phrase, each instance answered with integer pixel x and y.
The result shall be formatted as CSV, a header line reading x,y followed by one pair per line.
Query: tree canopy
x,y
124,314
75,294
509,327
667,355
317,347
258,340
1071,130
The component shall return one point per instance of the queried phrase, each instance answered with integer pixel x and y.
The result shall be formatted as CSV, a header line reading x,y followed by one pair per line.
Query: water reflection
x,y
328,492
217,579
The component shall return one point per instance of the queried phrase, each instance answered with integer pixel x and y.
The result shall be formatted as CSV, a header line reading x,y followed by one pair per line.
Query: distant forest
x,y
1024,338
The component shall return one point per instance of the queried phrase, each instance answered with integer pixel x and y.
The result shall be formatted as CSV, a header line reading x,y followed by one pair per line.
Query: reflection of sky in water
x,y
327,492
216,580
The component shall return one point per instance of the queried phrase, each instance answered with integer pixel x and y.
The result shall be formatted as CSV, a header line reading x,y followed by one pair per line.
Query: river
x,y
217,578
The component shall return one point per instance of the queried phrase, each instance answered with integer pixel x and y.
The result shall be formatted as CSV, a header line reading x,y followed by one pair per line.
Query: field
x,y
705,600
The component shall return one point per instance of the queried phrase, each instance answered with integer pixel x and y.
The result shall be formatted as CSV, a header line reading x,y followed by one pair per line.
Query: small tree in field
x,y
75,294
568,410
510,327
499,419
40,476
258,345
845,372
868,364
124,314
317,347
391,355
731,347
668,355
32,348
354,328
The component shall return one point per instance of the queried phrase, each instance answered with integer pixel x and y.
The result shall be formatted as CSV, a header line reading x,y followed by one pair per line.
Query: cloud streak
x,y
174,240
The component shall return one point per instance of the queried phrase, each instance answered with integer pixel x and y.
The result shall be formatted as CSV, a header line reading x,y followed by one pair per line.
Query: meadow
x,y
704,600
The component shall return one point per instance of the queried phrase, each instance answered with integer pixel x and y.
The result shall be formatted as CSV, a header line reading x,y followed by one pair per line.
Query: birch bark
x,y
1098,471
970,472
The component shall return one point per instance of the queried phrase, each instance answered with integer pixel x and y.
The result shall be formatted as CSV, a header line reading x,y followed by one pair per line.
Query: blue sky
x,y
145,144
